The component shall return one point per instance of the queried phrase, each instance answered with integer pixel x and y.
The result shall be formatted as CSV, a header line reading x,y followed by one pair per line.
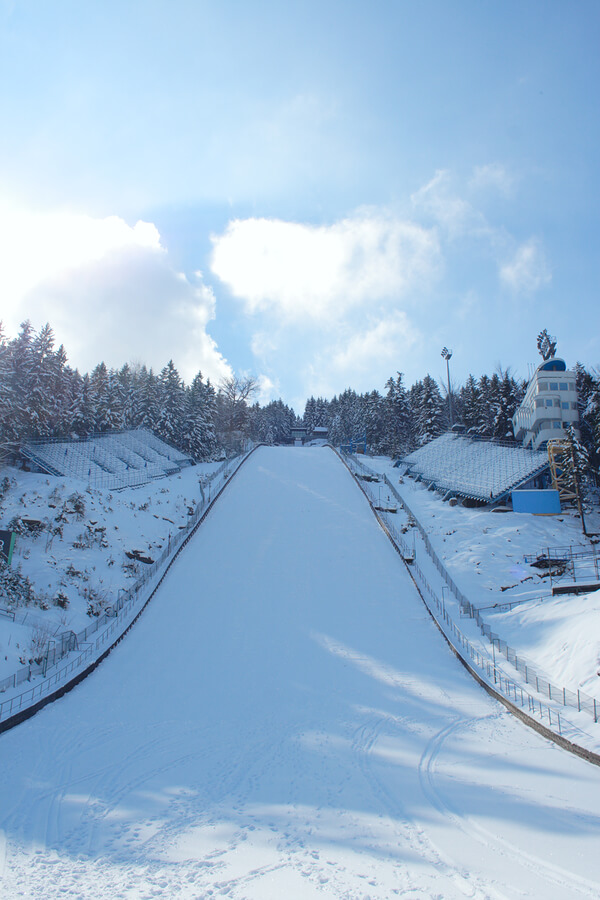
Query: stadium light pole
x,y
447,354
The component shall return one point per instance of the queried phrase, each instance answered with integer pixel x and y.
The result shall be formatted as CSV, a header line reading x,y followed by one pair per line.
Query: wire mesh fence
x,y
578,700
513,690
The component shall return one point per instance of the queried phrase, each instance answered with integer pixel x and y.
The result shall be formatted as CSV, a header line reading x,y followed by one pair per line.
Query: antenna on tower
x,y
546,345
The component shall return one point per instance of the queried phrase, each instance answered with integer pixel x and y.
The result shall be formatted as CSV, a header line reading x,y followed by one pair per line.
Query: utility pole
x,y
447,354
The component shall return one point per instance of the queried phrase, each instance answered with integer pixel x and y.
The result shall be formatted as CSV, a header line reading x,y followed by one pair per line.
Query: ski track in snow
x,y
509,852
285,721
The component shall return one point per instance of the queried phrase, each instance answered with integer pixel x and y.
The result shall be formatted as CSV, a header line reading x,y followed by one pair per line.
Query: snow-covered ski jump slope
x,y
285,721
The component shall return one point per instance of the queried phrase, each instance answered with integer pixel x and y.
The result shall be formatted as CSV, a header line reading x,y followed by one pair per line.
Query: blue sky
x,y
319,194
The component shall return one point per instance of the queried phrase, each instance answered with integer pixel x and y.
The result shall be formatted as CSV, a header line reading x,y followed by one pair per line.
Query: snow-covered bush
x,y
97,600
38,645
5,486
61,599
75,503
90,537
29,527
15,588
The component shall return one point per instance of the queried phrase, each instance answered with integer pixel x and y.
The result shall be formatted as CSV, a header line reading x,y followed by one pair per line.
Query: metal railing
x,y
578,565
563,553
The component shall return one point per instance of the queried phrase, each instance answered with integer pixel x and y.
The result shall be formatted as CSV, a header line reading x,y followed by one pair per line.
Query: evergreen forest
x,y
42,397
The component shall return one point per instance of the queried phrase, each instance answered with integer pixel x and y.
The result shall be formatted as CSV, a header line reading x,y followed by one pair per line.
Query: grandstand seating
x,y
114,461
475,468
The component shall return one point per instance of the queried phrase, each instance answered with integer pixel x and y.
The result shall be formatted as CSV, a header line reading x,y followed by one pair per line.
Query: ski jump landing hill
x,y
56,675
300,730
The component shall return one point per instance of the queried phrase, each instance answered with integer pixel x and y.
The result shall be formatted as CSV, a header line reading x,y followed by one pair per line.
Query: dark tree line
x,y
42,397
403,418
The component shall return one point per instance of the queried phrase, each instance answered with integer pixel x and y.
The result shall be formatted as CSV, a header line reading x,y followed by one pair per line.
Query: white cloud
x,y
528,270
263,343
376,347
363,357
440,201
491,176
38,246
267,390
306,272
108,291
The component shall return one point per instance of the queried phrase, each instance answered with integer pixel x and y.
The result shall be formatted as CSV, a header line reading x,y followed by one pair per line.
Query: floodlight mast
x,y
447,354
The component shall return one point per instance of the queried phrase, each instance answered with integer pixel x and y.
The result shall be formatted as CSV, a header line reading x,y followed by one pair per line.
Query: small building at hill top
x,y
548,407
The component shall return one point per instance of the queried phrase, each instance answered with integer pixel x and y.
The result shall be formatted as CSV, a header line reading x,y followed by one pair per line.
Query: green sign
x,y
7,545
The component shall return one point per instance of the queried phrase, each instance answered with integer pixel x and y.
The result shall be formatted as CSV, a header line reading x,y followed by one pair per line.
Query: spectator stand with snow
x,y
114,461
521,689
475,468
71,656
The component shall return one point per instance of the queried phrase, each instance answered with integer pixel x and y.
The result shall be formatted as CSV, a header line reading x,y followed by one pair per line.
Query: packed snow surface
x,y
285,720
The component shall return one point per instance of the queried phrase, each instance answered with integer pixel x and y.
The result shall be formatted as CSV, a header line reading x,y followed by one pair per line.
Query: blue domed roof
x,y
553,365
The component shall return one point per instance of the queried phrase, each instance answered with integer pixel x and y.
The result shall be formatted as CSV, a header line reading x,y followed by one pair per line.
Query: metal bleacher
x,y
475,468
114,461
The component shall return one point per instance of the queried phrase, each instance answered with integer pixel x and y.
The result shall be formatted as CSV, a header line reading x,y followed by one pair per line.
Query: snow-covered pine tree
x,y
20,423
41,385
399,434
63,391
82,414
469,403
488,404
117,400
321,413
576,469
309,414
588,402
373,412
171,417
210,418
280,418
199,433
100,393
509,396
428,409
5,393
125,379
